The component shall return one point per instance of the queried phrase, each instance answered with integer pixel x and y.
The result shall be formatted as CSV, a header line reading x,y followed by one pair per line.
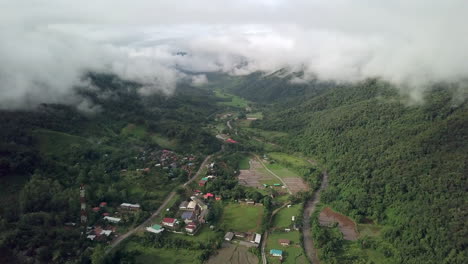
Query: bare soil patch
x,y
254,175
328,217
233,254
296,184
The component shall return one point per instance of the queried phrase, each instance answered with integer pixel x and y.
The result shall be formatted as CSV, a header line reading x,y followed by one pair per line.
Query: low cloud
x,y
47,46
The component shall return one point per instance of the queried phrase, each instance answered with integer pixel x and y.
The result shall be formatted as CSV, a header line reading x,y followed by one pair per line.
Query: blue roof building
x,y
276,252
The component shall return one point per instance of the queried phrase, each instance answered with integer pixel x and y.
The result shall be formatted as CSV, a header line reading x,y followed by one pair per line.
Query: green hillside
x,y
399,165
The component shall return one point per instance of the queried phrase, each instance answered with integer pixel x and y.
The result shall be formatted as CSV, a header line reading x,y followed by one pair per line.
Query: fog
x,y
47,46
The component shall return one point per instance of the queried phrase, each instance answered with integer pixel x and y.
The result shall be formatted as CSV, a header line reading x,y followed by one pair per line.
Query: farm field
x,y
256,175
292,253
283,217
257,115
235,101
233,254
244,163
282,171
289,159
242,218
150,255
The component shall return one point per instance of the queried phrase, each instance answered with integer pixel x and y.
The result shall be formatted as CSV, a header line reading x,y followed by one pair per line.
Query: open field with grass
x,y
231,100
233,254
244,163
257,115
269,135
289,159
242,218
204,235
149,255
283,217
57,143
163,141
291,254
282,171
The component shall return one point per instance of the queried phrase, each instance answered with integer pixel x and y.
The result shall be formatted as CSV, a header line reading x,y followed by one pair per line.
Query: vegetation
x,y
242,218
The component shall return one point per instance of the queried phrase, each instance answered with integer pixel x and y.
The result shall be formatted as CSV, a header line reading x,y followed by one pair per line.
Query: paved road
x,y
149,221
306,228
279,178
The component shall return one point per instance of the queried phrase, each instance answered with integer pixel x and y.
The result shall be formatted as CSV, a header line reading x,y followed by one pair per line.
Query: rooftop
x,y
169,220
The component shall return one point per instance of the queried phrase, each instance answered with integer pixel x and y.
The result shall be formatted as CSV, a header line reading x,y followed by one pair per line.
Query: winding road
x,y
149,221
306,227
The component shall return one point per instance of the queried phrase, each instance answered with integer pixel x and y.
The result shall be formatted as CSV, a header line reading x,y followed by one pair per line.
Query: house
x,y
277,184
284,242
200,203
208,195
203,215
183,205
230,140
276,252
249,202
170,222
218,198
191,228
96,209
188,217
256,238
293,218
105,214
155,229
201,183
191,205
111,219
91,237
229,236
103,204
106,232
130,207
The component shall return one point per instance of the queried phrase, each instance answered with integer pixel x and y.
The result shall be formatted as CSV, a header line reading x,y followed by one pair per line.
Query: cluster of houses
x,y
101,233
192,213
167,160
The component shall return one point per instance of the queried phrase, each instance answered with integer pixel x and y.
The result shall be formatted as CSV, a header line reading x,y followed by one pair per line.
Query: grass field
x,y
289,159
283,217
135,131
282,171
267,134
292,253
244,123
235,101
204,235
163,141
242,218
258,115
244,163
149,255
57,143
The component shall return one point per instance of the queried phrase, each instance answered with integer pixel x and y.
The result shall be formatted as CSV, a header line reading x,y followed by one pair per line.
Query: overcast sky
x,y
47,45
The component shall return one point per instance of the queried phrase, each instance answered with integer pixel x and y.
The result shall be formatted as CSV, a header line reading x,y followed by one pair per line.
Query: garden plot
x,y
256,176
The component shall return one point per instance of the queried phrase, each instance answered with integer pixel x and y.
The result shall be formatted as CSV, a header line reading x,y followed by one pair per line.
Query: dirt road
x,y
272,173
149,221
265,235
306,228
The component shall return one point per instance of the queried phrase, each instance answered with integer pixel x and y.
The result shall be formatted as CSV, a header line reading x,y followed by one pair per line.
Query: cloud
x,y
47,46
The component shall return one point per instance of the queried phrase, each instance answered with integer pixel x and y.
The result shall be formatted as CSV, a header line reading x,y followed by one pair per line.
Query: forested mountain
x,y
399,165
48,152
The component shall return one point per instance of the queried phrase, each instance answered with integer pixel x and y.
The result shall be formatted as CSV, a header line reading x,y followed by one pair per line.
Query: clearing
x,y
242,218
347,226
233,254
292,253
283,218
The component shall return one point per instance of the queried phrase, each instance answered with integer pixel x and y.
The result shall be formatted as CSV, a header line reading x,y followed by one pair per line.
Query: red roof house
x,y
103,204
230,140
169,222
208,195
96,209
202,183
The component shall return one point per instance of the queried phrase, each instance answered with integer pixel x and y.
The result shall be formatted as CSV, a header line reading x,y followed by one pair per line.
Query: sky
x,y
48,45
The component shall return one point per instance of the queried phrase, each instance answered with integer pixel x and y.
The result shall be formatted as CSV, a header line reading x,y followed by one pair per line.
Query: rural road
x,y
306,228
265,235
148,221
279,178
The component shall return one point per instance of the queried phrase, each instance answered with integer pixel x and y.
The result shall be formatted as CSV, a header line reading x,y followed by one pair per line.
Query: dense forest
x,y
48,152
402,166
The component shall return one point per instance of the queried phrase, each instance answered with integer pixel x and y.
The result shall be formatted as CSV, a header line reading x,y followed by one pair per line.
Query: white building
x,y
111,219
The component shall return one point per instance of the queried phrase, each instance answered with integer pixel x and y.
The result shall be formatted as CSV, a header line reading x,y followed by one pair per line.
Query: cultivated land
x,y
233,254
256,175
150,255
242,218
347,226
231,100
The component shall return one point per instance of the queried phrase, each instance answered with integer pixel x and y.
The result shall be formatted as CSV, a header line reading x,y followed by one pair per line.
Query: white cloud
x,y
47,45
